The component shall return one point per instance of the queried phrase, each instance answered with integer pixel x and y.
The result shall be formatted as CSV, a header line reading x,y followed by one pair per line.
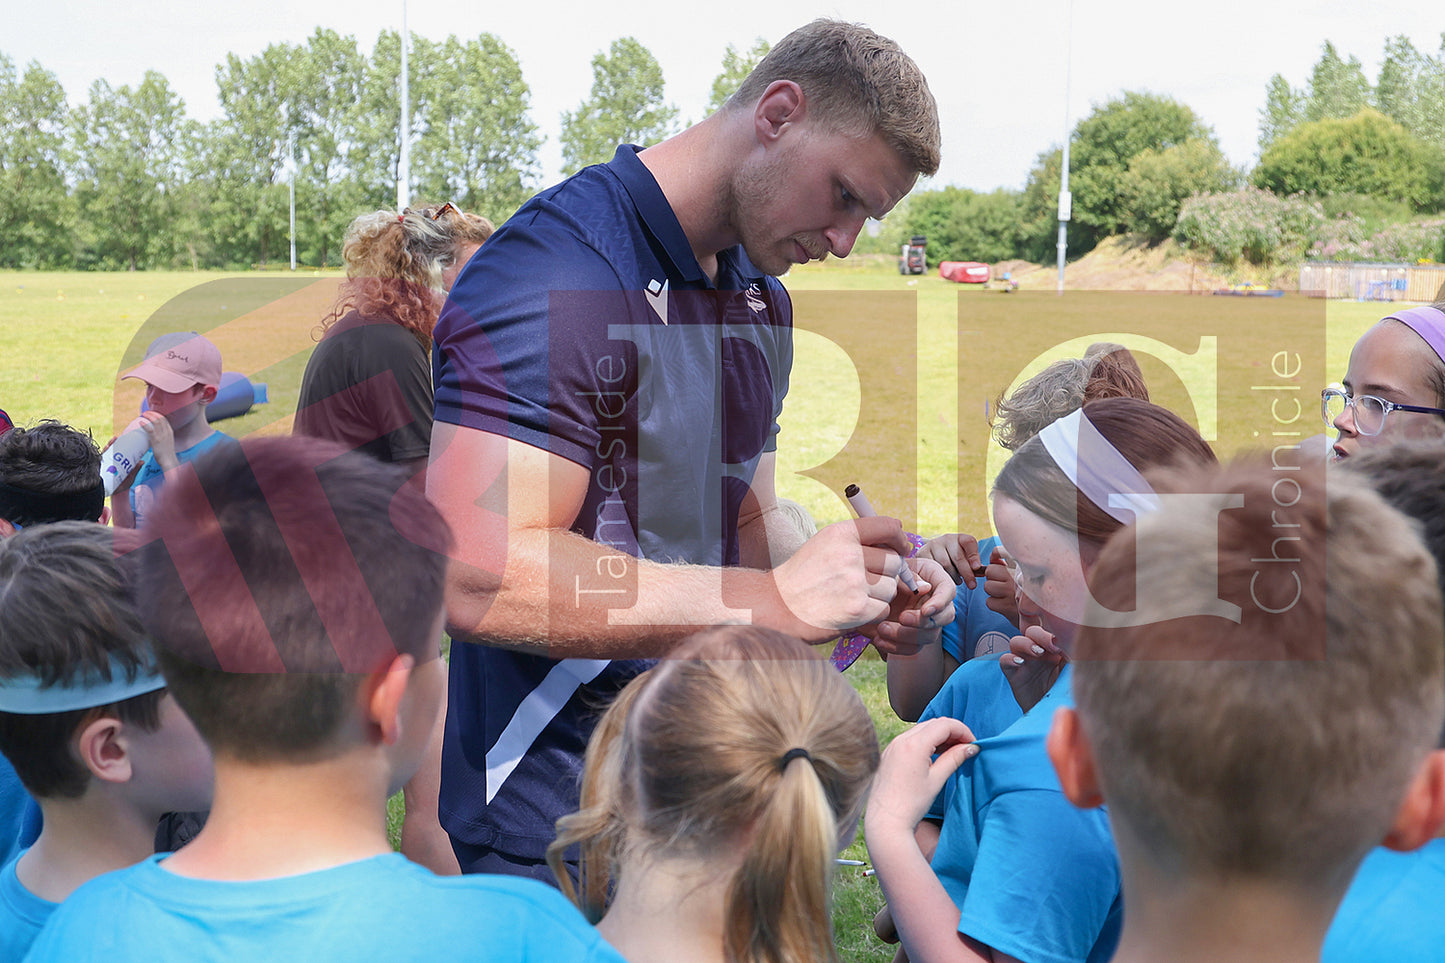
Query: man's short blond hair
x,y
856,82
1278,747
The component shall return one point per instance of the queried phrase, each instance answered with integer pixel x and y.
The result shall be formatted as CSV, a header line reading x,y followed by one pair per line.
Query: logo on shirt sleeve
x,y
657,297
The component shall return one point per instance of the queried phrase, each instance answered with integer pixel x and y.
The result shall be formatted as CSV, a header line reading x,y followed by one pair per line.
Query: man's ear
x,y
382,694
1073,760
1422,811
103,749
781,106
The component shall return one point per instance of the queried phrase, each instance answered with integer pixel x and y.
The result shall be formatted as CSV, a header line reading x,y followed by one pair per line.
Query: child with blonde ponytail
x,y
717,792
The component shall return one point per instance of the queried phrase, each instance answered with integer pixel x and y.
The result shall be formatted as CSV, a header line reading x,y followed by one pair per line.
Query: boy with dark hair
x,y
84,719
1249,765
1390,913
295,592
48,473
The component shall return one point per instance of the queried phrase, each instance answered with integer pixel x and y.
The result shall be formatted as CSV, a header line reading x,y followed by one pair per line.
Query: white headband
x,y
26,695
1097,469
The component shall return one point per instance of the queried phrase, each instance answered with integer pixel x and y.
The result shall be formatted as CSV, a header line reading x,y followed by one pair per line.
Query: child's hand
x,y
958,554
163,439
909,777
916,618
1033,662
999,585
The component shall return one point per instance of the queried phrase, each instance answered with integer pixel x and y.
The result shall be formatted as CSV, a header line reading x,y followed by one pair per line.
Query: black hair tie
x,y
790,755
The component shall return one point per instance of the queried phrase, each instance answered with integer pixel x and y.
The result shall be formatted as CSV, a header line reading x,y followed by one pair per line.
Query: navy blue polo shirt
x,y
586,327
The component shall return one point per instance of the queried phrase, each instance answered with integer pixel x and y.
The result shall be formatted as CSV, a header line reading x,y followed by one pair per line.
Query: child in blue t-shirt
x,y
182,373
1249,764
294,590
84,719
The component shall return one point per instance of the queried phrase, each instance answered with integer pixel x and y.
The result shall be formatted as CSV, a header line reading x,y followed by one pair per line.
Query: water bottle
x,y
124,455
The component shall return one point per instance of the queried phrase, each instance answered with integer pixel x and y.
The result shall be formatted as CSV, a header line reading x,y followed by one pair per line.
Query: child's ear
x,y
208,393
1422,811
383,692
1073,760
102,747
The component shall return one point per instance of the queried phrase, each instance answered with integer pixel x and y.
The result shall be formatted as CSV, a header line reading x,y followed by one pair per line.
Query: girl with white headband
x,y
1007,837
1395,385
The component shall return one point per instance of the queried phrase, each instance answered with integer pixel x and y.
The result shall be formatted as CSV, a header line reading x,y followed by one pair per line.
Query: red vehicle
x,y
964,272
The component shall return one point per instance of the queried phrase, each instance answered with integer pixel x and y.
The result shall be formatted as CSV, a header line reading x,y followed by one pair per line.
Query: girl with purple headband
x,y
1395,385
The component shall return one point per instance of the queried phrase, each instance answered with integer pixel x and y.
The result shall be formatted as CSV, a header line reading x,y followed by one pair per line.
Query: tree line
x,y
127,180
1347,169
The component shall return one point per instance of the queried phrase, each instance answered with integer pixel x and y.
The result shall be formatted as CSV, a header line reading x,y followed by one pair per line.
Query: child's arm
x,y
907,782
915,679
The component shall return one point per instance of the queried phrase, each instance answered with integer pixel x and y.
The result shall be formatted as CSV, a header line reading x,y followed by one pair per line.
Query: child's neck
x,y
82,838
193,432
668,910
1233,920
285,819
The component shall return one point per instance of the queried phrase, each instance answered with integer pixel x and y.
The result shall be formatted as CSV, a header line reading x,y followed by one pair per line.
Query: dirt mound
x,y
1123,263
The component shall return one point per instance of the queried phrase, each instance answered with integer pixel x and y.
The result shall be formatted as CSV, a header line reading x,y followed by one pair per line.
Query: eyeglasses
x,y
1370,411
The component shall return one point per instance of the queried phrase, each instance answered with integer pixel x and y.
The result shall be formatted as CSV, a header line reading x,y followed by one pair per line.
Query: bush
x,y
1364,154
1250,225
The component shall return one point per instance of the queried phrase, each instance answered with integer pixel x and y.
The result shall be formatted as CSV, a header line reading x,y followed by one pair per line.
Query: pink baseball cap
x,y
176,361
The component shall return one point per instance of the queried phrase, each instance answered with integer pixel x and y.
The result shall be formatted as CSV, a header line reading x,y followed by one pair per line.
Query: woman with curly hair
x,y
368,383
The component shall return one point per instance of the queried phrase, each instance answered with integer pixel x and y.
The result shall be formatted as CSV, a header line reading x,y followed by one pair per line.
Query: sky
x,y
999,71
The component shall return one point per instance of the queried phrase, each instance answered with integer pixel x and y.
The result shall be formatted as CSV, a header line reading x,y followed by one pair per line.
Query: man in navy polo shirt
x,y
609,370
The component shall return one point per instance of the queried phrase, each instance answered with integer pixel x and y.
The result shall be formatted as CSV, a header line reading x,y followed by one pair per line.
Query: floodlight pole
x,y
1066,200
291,184
403,169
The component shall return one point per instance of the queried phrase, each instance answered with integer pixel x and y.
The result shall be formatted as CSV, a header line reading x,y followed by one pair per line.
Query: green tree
x,y
36,212
328,192
1337,87
130,147
477,145
963,225
736,66
1158,182
1284,108
625,107
241,174
1365,154
1104,145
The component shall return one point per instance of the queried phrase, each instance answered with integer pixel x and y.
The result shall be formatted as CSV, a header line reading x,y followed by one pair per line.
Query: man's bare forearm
x,y
566,596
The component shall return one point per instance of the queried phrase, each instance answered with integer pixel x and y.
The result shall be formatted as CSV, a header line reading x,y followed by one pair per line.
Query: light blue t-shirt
x,y
149,478
978,695
19,815
973,619
1391,912
384,908
1032,875
22,913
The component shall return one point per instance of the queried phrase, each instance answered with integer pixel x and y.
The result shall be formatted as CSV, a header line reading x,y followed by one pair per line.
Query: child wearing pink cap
x,y
182,373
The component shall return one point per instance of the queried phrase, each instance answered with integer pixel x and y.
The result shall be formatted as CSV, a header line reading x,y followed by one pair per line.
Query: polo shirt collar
x,y
657,214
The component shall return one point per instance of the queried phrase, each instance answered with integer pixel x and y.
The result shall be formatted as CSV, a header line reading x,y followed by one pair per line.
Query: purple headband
x,y
1428,323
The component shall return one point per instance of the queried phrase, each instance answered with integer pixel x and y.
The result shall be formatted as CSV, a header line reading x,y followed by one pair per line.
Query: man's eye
x,y
848,198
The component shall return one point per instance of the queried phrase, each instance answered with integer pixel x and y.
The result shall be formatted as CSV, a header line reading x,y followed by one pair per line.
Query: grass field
x,y
876,354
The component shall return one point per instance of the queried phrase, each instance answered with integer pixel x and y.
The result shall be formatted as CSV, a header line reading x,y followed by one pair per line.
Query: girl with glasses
x,y
1395,385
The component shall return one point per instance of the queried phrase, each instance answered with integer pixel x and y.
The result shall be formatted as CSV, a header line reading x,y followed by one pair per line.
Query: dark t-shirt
x,y
368,386
586,328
